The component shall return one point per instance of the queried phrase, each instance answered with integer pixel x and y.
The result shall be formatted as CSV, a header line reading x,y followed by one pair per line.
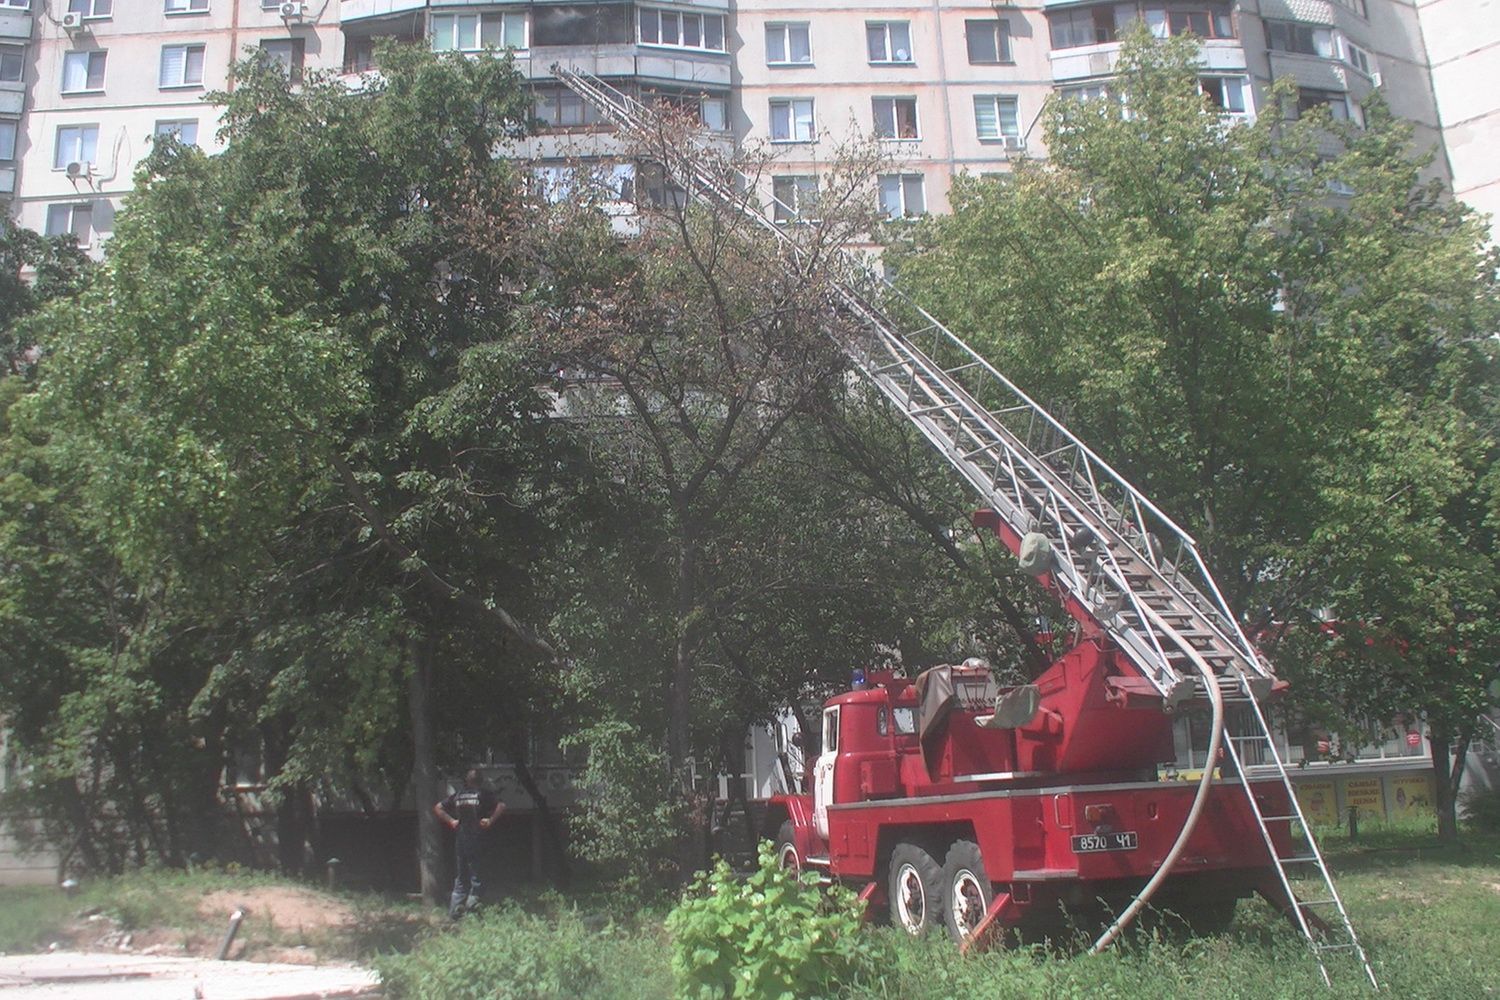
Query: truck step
x,y
1043,874
821,861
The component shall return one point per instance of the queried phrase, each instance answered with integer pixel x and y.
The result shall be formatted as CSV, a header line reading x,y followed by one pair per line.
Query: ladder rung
x,y
1279,819
1316,902
1335,947
1301,859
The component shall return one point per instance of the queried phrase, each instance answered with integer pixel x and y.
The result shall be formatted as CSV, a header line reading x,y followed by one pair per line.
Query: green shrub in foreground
x,y
771,935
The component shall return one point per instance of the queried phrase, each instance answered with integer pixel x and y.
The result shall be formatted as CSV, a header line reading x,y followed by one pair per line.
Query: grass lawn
x,y
1429,917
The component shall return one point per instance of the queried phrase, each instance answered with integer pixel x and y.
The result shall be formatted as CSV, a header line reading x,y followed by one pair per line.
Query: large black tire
x,y
966,890
786,847
914,888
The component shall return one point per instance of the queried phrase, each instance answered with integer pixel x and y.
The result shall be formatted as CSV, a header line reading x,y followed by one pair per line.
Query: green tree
x,y
1281,334
295,398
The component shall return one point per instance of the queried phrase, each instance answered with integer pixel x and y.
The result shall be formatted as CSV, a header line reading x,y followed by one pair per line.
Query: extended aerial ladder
x,y
1120,563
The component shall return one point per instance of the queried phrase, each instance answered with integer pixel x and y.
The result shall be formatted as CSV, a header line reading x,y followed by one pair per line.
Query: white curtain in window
x,y
173,63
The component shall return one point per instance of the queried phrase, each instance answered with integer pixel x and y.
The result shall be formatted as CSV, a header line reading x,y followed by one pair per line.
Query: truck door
x,y
823,771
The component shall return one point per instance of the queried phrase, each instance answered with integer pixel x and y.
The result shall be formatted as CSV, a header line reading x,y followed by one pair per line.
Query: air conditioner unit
x,y
78,168
1014,144
291,11
72,21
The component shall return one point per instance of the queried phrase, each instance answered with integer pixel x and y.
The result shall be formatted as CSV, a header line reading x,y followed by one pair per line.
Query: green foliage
x,y
771,934
1302,376
1481,809
508,954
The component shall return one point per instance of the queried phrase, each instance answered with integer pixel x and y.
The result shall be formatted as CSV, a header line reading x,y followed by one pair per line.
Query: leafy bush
x,y
507,954
772,934
1481,807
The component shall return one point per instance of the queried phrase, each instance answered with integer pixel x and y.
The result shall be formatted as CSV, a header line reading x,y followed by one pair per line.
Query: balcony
x,y
1099,60
359,10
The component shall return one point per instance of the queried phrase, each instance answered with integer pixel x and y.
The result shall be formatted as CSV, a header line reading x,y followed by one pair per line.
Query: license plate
x,y
1092,843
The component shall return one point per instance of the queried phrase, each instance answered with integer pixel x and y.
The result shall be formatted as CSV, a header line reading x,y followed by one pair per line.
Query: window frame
x,y
88,71
14,126
19,57
184,8
902,189
792,118
73,209
187,51
884,26
162,127
1223,107
998,28
60,162
895,103
16,4
996,101
296,63
680,17
786,28
505,17
789,213
90,12
1287,37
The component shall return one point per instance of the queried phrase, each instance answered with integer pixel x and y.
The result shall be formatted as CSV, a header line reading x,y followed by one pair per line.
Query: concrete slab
x,y
80,976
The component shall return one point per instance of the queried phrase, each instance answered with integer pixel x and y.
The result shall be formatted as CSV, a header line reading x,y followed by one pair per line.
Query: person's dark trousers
x,y
467,887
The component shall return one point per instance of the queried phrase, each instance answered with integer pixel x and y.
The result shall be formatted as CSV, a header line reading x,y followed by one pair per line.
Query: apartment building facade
x,y
950,86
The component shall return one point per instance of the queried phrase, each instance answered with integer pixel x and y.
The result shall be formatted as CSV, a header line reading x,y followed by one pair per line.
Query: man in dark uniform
x,y
470,811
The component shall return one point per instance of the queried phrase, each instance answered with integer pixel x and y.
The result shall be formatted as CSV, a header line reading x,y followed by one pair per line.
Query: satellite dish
x,y
903,56
76,170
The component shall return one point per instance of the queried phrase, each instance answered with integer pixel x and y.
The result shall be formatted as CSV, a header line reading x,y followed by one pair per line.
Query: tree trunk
x,y
543,811
424,778
1446,799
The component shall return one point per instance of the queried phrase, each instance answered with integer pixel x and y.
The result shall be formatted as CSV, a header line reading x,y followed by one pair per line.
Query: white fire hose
x,y
1215,736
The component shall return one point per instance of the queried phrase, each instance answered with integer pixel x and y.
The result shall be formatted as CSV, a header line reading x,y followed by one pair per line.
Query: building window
x,y
285,54
896,117
889,41
1226,93
7,139
359,55
88,9
1214,22
559,107
1358,58
75,144
710,112
184,131
996,118
902,196
682,29
22,4
181,66
788,43
988,40
795,198
1336,103
83,72
186,6
1089,26
1303,39
12,63
792,120
1085,92
74,220
472,32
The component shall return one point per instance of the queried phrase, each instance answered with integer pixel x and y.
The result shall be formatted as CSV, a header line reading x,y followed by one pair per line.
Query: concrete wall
x,y
1463,50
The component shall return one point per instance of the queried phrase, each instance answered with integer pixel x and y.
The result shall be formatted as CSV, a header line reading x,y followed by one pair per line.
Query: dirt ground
x,y
288,908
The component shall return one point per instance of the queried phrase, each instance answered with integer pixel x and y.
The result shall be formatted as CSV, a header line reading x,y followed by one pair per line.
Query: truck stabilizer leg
x,y
1003,910
872,896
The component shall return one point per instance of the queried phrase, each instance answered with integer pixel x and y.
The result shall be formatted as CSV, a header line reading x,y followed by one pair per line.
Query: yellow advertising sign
x,y
1317,802
1411,795
1367,795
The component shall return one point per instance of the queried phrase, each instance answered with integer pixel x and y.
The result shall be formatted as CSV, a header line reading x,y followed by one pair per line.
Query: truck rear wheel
x,y
966,890
786,847
914,889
